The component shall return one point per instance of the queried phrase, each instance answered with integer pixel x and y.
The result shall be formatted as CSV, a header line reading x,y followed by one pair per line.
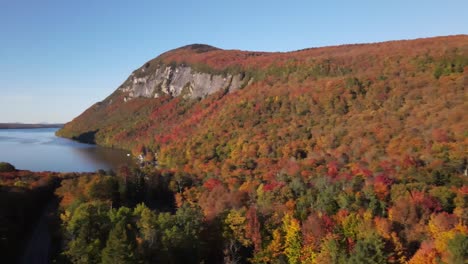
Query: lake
x,y
39,149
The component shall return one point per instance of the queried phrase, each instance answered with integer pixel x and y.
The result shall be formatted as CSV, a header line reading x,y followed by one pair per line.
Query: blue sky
x,y
59,57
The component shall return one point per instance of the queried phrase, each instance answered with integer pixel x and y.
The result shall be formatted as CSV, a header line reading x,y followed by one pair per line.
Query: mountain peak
x,y
182,53
189,49
198,48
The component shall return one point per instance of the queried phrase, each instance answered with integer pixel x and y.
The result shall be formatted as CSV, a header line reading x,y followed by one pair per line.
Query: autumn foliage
x,y
342,154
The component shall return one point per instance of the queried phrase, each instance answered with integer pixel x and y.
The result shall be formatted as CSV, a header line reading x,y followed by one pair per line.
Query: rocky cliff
x,y
160,77
175,81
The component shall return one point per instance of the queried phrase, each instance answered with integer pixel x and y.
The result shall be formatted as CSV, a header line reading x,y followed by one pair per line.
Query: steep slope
x,y
219,111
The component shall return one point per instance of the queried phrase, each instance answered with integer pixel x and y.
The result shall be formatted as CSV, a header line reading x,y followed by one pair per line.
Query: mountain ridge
x,y
184,94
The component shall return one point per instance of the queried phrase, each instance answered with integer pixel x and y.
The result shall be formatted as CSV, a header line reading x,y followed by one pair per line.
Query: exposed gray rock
x,y
181,80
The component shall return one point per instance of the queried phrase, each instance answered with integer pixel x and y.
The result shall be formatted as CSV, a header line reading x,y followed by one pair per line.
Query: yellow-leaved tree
x,y
292,241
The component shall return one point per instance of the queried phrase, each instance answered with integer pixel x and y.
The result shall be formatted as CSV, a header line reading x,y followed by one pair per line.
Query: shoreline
x,y
28,126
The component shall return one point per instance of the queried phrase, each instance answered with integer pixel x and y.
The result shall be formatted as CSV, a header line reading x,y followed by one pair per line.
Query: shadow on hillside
x,y
87,137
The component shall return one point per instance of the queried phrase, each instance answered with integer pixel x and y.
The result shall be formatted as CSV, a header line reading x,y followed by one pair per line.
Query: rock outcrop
x,y
177,80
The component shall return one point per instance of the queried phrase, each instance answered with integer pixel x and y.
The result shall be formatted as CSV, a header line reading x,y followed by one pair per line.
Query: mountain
x,y
346,154
203,106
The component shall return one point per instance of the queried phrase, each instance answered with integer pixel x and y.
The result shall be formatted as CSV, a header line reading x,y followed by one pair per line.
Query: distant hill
x,y
21,125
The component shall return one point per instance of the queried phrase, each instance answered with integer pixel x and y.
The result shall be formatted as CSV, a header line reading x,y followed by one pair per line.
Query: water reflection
x,y
40,150
101,157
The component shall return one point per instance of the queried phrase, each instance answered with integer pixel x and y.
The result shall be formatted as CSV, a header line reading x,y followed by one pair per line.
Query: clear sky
x,y
58,57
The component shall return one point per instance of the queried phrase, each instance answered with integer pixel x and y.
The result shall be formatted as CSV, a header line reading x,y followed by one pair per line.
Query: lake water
x,y
40,150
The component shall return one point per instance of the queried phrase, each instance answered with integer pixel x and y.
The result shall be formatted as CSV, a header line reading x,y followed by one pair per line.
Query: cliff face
x,y
175,81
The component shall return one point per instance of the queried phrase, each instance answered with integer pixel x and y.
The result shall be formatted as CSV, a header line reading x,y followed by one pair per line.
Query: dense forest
x,y
164,216
347,154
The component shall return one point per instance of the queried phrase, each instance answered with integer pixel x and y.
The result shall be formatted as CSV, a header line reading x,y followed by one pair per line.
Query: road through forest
x,y
38,249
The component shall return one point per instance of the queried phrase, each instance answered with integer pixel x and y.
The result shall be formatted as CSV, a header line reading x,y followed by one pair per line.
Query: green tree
x,y
369,250
332,250
146,224
86,230
458,249
83,250
120,247
180,235
445,196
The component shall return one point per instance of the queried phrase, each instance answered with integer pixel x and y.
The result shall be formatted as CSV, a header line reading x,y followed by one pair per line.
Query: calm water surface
x,y
40,150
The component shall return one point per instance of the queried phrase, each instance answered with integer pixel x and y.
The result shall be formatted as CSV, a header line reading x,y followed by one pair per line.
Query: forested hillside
x,y
346,154
366,102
